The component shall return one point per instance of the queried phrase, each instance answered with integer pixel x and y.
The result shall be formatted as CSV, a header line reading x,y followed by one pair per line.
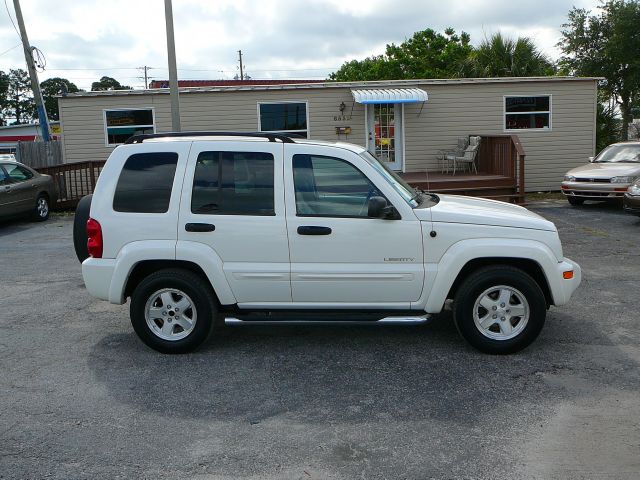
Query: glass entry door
x,y
384,133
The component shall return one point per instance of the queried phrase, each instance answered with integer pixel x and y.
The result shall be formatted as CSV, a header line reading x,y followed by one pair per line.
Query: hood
x,y
480,211
606,170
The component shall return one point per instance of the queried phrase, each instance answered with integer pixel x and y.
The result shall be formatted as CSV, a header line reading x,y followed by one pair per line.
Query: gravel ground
x,y
83,398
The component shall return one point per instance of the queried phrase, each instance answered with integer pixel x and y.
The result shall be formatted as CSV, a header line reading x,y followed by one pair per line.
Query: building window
x,y
233,183
531,112
120,125
288,118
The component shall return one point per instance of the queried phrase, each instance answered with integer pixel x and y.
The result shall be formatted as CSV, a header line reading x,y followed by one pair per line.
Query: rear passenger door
x,y
233,202
4,192
21,194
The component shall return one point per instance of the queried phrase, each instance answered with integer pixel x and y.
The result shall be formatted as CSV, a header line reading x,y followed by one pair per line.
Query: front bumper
x,y
632,204
595,190
565,287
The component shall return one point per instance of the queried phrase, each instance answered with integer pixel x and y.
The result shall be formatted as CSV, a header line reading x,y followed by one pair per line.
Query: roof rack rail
x,y
271,136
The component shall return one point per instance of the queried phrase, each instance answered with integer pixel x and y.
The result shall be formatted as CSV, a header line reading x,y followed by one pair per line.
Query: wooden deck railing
x,y
73,181
503,155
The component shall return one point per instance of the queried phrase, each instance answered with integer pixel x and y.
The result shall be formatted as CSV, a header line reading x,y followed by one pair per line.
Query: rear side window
x,y
145,183
233,183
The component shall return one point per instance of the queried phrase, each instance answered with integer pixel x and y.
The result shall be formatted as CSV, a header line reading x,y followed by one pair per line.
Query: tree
x,y
4,90
52,87
498,56
19,102
428,54
108,83
606,45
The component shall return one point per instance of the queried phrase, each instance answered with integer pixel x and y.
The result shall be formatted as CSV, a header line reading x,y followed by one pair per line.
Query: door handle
x,y
313,230
199,227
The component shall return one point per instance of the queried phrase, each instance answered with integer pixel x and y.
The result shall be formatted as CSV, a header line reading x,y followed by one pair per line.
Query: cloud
x,y
279,38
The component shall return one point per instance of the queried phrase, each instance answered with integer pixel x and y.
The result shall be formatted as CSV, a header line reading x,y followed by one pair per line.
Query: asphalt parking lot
x,y
83,398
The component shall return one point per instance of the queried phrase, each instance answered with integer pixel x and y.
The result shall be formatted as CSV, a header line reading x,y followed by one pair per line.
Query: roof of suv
x,y
248,137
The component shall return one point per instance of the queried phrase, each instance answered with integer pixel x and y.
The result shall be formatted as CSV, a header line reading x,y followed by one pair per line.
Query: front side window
x,y
145,183
233,183
288,118
120,125
17,173
532,113
330,187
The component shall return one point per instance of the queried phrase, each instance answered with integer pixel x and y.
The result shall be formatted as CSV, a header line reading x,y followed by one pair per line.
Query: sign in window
x,y
120,125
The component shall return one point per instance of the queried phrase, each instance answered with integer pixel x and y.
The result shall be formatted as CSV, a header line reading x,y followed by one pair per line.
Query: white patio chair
x,y
468,159
447,157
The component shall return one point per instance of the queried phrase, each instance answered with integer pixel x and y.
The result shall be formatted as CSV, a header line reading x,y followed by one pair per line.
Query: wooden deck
x,y
486,185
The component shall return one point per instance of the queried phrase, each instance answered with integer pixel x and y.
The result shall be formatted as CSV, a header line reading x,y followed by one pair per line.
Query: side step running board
x,y
418,320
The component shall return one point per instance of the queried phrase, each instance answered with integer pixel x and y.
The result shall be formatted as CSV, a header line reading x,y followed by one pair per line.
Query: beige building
x,y
406,123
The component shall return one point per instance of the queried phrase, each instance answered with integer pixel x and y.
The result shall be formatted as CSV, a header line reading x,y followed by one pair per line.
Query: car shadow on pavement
x,y
344,373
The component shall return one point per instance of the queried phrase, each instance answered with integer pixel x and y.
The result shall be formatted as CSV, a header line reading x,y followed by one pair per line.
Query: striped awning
x,y
390,95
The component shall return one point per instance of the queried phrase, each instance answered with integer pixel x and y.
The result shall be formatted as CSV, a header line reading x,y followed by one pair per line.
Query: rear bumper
x,y
566,287
97,274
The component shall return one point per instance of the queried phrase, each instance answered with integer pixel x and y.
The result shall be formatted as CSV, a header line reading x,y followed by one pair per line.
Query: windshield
x,y
403,188
619,153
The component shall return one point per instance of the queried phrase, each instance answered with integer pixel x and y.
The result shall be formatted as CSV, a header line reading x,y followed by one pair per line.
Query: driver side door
x,y
340,257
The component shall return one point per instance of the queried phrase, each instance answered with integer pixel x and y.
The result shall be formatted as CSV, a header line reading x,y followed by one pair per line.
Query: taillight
x,y
94,238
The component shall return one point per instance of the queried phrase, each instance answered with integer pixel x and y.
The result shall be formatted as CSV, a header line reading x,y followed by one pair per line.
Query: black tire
x,y
41,209
196,289
484,280
80,228
575,201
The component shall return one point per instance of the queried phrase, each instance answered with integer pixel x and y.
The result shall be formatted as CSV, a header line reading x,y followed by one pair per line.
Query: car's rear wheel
x,y
499,310
41,210
575,200
80,227
173,311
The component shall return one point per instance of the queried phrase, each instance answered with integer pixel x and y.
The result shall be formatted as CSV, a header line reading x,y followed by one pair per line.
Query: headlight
x,y
634,190
569,178
622,179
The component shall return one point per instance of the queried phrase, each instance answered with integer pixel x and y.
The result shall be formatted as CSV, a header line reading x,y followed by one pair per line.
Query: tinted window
x,y
145,183
327,186
233,183
18,173
3,176
287,118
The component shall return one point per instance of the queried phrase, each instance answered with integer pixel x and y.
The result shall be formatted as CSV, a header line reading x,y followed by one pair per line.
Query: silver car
x,y
23,191
607,177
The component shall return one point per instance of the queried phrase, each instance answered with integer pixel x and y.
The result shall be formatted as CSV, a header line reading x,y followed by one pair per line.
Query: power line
x,y
7,51
12,23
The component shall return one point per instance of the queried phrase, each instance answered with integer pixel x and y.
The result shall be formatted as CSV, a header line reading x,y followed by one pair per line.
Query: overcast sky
x,y
84,40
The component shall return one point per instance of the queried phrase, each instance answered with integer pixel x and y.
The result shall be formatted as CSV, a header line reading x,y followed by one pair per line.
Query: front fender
x,y
462,252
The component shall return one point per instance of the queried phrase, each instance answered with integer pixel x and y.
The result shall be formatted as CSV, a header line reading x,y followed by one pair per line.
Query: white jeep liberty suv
x,y
202,228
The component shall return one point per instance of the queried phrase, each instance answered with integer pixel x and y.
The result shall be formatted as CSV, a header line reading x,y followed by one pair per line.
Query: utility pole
x,y
146,76
35,85
241,70
173,72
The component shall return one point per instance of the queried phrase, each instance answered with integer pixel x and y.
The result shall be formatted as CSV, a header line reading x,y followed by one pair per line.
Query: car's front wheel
x,y
575,200
499,310
41,210
173,311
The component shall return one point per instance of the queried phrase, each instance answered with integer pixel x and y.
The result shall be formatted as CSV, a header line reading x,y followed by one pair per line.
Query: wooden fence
x,y
73,181
503,155
39,154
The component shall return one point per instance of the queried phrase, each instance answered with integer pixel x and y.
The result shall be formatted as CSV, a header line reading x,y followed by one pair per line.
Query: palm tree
x,y
498,56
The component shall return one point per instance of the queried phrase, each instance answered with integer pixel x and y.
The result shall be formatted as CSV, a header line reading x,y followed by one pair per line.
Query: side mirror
x,y
591,159
378,208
